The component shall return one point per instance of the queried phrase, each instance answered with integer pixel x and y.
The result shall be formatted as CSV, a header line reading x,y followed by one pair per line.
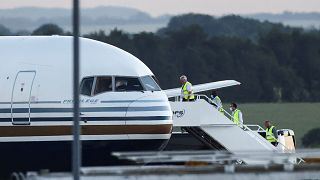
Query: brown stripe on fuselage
x,y
14,131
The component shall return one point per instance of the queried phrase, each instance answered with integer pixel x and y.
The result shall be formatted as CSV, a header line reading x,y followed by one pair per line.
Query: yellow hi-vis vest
x,y
269,135
217,99
236,116
186,93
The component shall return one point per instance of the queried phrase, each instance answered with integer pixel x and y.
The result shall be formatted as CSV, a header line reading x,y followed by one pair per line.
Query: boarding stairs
x,y
204,138
218,131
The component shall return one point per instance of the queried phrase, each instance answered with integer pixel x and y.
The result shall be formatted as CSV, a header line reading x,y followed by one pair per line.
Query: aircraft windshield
x,y
149,83
103,84
92,86
86,86
128,84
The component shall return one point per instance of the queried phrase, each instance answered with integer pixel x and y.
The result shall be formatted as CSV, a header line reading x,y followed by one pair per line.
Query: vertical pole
x,y
76,146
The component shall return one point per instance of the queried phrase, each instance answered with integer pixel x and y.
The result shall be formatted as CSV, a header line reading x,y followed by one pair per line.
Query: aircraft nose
x,y
150,106
152,115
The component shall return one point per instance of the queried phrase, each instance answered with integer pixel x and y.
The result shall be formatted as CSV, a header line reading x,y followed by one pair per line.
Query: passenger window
x,y
150,84
103,84
86,86
128,84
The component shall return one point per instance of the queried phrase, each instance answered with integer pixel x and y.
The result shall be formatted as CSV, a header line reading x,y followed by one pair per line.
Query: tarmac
x,y
189,172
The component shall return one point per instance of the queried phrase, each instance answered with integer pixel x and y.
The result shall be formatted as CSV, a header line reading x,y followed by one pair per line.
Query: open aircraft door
x,y
20,98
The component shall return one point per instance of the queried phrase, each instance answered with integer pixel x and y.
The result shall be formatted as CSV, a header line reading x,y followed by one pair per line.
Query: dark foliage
x,y
4,31
48,29
312,138
231,25
278,64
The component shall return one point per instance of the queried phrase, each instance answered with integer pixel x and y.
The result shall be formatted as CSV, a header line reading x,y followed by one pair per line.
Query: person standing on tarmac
x,y
216,101
271,133
236,114
186,89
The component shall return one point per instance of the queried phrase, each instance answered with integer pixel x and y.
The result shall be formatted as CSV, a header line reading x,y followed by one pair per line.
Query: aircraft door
x,y
20,98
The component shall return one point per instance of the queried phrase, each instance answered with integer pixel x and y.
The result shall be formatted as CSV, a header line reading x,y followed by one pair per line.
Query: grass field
x,y
300,117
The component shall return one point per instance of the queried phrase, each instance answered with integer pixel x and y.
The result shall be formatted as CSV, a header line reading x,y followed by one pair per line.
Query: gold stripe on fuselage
x,y
15,131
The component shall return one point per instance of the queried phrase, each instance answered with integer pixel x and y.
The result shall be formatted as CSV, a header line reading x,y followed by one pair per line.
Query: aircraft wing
x,y
203,87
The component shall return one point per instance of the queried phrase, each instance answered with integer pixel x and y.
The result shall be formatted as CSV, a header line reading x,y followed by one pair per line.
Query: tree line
x,y
274,64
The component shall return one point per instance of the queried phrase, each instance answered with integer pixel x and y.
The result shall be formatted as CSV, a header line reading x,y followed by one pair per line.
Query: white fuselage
x,y
36,92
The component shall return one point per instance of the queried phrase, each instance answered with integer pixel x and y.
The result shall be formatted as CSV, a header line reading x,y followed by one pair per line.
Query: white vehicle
x,y
122,106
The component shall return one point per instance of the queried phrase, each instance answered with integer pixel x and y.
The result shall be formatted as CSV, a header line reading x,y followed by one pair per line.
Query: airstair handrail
x,y
258,127
245,127
287,150
198,96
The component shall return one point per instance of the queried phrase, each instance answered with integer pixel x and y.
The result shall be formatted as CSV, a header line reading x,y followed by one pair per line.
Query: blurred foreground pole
x,y
76,145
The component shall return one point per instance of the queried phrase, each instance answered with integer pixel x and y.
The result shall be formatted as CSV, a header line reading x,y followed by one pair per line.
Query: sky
x,y
160,7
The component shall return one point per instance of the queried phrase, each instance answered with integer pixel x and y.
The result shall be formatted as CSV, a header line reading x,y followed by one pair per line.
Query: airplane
x,y
122,106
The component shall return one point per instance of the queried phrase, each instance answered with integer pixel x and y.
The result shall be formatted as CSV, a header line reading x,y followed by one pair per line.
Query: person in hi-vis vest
x,y
186,89
216,101
271,133
236,114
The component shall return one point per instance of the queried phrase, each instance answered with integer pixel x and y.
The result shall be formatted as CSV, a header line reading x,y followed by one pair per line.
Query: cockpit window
x,y
103,84
86,86
128,84
149,83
